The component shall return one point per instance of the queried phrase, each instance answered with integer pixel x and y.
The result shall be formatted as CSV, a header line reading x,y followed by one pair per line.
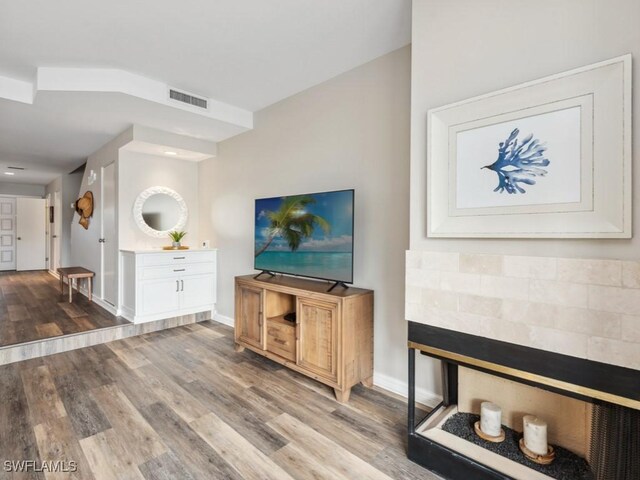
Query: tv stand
x,y
341,284
331,339
264,272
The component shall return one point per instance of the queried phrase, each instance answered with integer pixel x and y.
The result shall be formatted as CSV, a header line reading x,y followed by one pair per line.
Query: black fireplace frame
x,y
570,376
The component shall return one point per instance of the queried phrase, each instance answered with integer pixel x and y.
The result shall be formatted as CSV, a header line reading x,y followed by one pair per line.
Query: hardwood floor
x,y
181,404
32,308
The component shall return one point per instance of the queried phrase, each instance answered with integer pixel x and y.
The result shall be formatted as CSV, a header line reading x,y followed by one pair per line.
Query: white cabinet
x,y
165,284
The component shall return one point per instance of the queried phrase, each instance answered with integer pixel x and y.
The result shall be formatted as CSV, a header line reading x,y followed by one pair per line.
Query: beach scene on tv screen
x,y
309,235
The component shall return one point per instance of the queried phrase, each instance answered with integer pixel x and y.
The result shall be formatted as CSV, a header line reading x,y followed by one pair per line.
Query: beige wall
x,y
139,171
463,48
349,132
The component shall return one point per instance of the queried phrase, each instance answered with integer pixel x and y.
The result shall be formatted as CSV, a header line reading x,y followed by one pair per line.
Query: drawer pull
x,y
280,341
179,258
182,285
179,270
177,286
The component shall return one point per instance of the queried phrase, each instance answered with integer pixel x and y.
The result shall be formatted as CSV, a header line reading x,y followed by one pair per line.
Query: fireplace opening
x,y
592,410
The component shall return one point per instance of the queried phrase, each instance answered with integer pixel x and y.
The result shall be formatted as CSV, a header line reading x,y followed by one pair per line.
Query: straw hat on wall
x,y
84,208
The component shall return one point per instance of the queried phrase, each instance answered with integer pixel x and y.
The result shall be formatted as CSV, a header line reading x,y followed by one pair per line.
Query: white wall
x,y
349,132
85,248
139,171
463,48
22,189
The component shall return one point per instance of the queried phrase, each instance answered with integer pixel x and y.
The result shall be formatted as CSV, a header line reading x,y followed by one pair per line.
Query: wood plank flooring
x,y
32,308
181,404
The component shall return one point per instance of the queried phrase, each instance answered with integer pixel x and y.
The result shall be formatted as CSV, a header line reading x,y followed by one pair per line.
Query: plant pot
x,y
175,245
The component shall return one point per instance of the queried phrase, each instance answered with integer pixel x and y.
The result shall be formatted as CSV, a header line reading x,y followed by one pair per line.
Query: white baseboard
x,y
423,396
223,319
54,274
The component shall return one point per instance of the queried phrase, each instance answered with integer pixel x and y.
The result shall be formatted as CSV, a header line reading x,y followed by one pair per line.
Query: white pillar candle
x,y
535,434
490,418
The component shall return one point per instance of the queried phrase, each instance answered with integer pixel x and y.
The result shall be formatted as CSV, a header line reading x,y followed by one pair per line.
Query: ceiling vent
x,y
187,98
15,168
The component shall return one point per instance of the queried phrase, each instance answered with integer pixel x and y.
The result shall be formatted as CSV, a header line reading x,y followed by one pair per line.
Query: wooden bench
x,y
72,274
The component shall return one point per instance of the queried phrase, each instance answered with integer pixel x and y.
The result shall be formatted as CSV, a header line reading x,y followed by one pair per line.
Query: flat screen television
x,y
308,235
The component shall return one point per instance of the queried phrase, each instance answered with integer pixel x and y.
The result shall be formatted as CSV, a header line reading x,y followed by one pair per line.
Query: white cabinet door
x,y
159,296
198,291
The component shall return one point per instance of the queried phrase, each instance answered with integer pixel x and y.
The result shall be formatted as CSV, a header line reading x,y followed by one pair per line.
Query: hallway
x,y
32,308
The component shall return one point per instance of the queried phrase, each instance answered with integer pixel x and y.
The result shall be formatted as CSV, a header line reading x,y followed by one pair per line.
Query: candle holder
x,y
534,457
488,438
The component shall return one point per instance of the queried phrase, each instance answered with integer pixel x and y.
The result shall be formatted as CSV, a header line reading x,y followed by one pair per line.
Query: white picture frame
x,y
575,181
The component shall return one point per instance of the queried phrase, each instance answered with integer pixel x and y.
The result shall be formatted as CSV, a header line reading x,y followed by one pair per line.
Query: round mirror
x,y
159,210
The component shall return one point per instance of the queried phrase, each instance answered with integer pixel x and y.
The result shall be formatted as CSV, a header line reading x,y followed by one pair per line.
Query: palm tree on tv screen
x,y
293,222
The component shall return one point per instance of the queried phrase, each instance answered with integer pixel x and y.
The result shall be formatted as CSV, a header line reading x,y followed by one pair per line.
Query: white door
x,y
108,235
56,229
31,234
7,233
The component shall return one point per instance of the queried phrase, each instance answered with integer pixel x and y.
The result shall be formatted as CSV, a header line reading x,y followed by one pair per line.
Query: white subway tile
x,y
631,274
589,322
443,261
413,259
439,299
423,278
617,352
530,267
558,293
487,264
503,287
614,299
631,328
414,312
596,272
485,306
460,282
529,313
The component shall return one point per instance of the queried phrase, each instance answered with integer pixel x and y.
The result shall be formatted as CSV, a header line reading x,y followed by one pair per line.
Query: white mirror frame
x,y
139,203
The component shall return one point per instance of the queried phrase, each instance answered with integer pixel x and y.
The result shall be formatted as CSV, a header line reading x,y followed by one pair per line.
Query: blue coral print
x,y
519,163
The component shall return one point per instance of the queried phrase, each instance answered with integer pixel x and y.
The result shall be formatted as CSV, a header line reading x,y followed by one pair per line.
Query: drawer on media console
x,y
281,339
169,271
177,258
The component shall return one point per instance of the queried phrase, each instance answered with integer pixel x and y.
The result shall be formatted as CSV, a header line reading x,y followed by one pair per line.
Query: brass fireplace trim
x,y
532,377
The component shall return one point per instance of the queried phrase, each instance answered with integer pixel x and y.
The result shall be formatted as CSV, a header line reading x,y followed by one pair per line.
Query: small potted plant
x,y
176,237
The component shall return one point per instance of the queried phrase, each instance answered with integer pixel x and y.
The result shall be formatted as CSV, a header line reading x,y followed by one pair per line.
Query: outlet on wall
x,y
205,244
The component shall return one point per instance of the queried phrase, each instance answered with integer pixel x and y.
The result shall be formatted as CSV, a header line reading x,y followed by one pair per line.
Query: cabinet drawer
x,y
176,258
170,271
281,339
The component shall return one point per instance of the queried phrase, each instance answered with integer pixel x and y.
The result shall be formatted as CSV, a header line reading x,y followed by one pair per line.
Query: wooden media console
x,y
331,339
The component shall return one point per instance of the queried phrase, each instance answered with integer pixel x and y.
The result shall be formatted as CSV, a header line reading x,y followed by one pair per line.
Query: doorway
x,y
31,234
56,230
7,234
108,235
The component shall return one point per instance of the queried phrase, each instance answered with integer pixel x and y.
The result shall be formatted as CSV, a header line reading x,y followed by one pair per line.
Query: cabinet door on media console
x,y
249,305
318,337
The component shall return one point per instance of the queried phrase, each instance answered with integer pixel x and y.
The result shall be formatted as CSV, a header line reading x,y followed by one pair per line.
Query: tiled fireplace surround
x,y
584,308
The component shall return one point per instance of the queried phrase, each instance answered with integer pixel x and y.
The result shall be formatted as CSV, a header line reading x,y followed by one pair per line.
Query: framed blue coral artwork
x,y
549,158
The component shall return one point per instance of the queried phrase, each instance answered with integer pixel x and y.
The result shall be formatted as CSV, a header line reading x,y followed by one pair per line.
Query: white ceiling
x,y
245,53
